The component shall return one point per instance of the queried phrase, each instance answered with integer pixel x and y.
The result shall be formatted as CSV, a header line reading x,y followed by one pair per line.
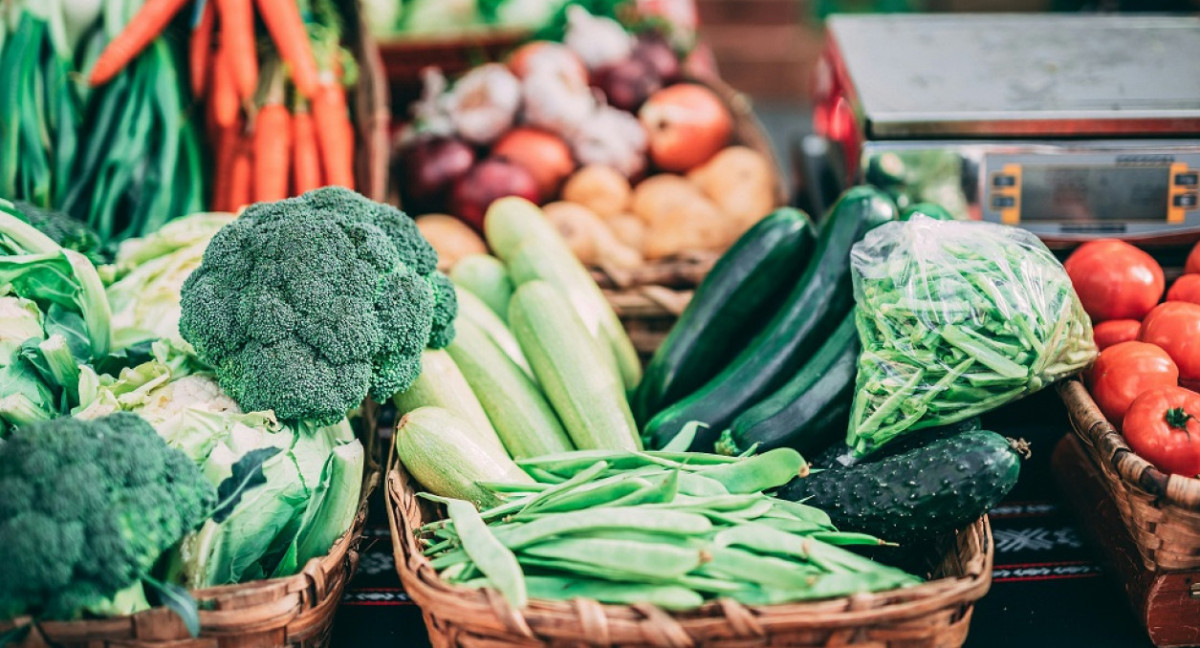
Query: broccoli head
x,y
87,508
305,305
62,229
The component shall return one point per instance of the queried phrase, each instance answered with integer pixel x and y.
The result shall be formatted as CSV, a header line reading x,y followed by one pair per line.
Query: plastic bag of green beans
x,y
957,319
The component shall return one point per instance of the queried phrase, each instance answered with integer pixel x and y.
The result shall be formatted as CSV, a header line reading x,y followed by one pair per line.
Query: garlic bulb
x,y
483,104
556,100
598,41
611,137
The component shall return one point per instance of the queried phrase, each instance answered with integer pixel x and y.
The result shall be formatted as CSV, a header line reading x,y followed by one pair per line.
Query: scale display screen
x,y
1077,194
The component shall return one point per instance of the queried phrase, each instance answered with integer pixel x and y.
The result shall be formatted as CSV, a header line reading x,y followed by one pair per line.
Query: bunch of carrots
x,y
270,143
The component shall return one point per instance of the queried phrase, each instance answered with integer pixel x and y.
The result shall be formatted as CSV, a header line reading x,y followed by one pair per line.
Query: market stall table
x,y
1048,588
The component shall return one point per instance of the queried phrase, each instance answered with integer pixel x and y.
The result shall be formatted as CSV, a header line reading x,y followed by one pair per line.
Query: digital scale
x,y
1072,126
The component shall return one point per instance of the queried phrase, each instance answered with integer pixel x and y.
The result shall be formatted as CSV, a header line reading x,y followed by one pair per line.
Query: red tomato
x,y
1115,280
1193,261
1115,332
1162,427
1175,327
1124,371
1185,289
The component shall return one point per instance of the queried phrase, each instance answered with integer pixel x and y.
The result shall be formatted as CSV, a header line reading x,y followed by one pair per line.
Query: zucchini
x,y
519,234
441,384
931,485
486,277
745,286
437,449
797,414
524,421
812,310
568,364
472,309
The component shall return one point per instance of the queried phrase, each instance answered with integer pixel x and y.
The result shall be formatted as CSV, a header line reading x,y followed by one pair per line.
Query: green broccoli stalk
x,y
86,510
306,305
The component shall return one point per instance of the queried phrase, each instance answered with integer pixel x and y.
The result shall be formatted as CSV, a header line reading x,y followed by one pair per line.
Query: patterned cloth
x,y
1048,589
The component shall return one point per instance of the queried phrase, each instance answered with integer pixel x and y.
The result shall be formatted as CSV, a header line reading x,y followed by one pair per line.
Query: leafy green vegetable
x,y
305,305
149,274
956,319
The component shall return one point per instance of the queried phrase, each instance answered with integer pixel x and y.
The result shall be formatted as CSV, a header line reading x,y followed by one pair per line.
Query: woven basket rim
x,y
1107,445
973,548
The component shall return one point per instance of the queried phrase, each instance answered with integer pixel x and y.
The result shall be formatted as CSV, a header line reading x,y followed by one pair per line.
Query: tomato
x,y
1175,327
1115,280
1115,332
1185,289
1124,371
1162,427
1193,261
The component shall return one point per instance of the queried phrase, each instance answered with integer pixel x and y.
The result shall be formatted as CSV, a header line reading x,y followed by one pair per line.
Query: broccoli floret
x,y
444,311
306,305
87,508
62,229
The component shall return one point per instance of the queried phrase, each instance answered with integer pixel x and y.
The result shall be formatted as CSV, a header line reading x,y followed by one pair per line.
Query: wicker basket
x,y
1162,512
935,614
650,298
293,611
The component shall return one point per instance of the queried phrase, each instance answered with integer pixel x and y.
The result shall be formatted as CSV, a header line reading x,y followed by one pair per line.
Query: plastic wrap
x,y
956,319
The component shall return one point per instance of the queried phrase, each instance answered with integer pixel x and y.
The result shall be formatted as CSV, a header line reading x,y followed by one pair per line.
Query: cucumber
x,y
472,309
839,455
924,490
797,414
486,277
520,235
442,384
745,286
812,310
437,449
568,364
524,421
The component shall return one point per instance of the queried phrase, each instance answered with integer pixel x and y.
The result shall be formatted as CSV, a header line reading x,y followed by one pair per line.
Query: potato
x,y
600,188
452,238
662,193
694,224
592,242
739,180
629,229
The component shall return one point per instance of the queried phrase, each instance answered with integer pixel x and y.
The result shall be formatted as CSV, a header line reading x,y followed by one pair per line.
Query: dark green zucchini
x,y
745,286
925,490
796,414
811,311
932,210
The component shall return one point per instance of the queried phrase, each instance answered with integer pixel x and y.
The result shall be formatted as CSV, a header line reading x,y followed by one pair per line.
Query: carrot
x,y
306,172
283,21
335,136
200,47
227,143
237,35
272,144
241,174
145,26
224,99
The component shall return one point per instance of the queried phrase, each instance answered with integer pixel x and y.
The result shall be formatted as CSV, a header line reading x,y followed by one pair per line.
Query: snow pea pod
x,y
492,558
766,471
651,560
668,597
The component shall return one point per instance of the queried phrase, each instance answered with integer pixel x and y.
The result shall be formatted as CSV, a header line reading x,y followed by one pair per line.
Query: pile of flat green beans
x,y
674,529
957,319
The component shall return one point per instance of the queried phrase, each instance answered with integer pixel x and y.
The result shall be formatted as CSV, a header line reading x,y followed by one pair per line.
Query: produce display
x,y
632,163
187,411
1144,378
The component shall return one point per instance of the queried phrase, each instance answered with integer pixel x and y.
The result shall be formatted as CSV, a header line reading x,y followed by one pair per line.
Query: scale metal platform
x,y
1073,126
